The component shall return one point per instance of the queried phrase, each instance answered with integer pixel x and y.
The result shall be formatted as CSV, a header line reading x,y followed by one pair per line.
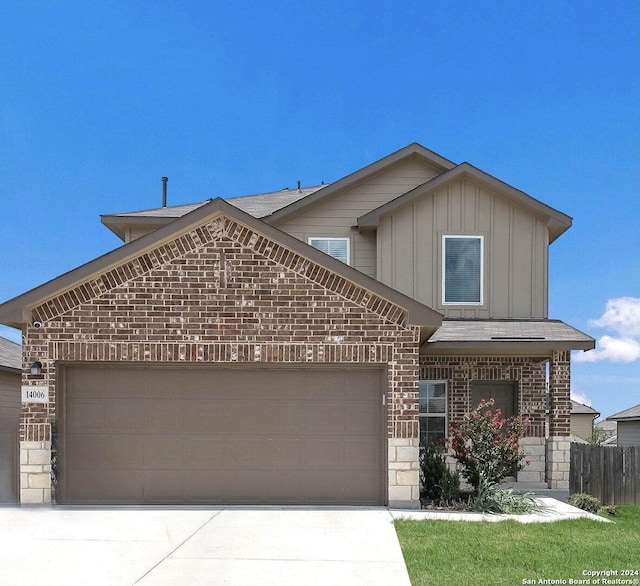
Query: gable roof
x,y
412,150
10,355
15,312
558,222
259,206
631,414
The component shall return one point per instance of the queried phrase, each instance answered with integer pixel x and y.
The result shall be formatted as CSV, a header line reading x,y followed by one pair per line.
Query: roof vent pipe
x,y
299,189
164,191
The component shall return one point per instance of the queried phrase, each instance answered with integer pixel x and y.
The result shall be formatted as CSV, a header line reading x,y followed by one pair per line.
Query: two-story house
x,y
296,346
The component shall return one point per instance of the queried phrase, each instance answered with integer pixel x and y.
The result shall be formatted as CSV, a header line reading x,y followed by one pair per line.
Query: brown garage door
x,y
222,435
9,419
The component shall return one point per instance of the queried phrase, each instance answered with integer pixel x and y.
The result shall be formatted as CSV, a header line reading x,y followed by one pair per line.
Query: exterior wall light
x,y
36,367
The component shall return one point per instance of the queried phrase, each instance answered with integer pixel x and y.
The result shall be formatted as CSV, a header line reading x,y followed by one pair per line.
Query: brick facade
x,y
223,293
528,373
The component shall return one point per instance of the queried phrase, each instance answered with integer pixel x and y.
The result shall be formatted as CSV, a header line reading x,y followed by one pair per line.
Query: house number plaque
x,y
35,394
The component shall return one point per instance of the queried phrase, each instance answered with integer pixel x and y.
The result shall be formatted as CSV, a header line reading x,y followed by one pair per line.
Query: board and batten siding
x,y
409,250
336,216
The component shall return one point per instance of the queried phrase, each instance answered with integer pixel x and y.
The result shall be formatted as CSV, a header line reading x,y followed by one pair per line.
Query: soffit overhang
x,y
16,312
557,222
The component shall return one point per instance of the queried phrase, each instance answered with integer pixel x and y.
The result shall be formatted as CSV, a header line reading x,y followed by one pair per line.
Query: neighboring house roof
x,y
10,355
259,206
580,409
510,335
608,426
17,311
631,414
558,222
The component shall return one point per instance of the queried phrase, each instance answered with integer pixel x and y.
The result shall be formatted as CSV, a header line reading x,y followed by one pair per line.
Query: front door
x,y
504,394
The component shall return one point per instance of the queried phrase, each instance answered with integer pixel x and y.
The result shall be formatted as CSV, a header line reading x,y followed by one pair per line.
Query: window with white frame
x,y
433,411
462,270
335,247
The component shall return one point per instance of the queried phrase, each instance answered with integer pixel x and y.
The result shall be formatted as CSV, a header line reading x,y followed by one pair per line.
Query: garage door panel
x,y
124,451
122,415
362,417
241,453
163,486
326,418
163,452
85,451
86,415
203,453
323,453
359,456
281,453
222,435
205,416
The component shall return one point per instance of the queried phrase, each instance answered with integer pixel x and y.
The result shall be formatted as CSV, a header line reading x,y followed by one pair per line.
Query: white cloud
x,y
581,398
622,316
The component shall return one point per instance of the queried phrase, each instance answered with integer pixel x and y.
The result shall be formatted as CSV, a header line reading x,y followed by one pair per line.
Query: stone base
x,y
35,472
534,459
404,478
558,462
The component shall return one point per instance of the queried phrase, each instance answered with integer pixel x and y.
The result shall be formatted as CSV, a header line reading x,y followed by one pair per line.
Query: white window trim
x,y
446,405
343,238
444,268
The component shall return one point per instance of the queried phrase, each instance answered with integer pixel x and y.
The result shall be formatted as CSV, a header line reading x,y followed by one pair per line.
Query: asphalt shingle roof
x,y
259,205
10,354
631,413
507,330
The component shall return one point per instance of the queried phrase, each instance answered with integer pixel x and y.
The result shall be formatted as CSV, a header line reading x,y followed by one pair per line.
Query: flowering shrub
x,y
487,445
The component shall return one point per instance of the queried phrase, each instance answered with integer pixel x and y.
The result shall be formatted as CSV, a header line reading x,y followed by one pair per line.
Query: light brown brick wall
x,y
460,372
223,293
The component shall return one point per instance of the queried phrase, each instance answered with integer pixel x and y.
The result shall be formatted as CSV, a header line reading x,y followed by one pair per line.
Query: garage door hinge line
x,y
177,547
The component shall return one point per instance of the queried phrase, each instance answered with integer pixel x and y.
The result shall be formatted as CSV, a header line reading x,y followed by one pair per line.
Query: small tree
x,y
487,445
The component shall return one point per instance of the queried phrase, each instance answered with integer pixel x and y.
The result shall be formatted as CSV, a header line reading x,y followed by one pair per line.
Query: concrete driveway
x,y
151,546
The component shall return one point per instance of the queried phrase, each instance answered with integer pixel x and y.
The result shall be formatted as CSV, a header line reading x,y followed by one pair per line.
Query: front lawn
x,y
511,553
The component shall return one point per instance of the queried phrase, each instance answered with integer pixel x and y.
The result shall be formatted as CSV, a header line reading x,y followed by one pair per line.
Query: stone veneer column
x,y
534,453
35,472
558,444
404,478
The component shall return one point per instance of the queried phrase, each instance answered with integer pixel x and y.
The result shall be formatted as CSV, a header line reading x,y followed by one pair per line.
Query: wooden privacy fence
x,y
611,474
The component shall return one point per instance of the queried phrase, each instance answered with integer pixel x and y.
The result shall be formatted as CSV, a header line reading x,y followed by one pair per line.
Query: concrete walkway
x,y
238,546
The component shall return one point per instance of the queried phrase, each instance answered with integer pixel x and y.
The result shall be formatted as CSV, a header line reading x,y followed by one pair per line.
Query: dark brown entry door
x,y
222,435
504,393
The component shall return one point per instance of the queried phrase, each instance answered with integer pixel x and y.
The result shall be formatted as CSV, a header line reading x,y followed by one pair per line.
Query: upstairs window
x,y
462,267
336,247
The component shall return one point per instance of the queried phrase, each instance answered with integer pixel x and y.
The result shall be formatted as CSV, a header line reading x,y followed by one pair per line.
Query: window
x,y
433,411
335,247
462,267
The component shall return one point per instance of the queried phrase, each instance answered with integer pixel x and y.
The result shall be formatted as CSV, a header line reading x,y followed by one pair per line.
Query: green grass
x,y
509,553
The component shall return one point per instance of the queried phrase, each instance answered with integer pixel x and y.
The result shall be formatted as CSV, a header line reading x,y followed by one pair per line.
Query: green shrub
x,y
584,501
490,498
437,482
608,510
487,445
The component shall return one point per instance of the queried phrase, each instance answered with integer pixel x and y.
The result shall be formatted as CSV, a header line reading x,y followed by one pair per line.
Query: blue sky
x,y
101,99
